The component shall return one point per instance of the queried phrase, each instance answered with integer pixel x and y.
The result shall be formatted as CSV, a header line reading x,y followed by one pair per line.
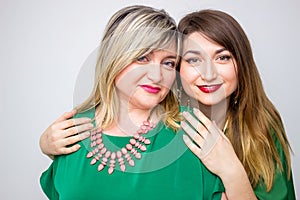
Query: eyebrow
x,y
199,53
171,56
220,50
193,52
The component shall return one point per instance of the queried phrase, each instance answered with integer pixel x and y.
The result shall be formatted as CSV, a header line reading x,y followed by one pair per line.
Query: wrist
x,y
233,172
236,183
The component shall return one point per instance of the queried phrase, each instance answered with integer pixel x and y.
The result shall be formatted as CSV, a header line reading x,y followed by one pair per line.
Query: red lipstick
x,y
209,88
150,89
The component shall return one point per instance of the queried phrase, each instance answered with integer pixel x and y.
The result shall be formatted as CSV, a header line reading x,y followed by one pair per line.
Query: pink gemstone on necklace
x,y
99,141
129,146
124,151
132,141
113,155
100,167
122,167
110,170
107,154
100,146
147,141
131,163
134,147
143,148
89,155
119,154
103,150
94,160
138,155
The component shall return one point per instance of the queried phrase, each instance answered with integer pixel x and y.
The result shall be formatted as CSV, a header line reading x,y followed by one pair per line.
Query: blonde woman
x,y
133,152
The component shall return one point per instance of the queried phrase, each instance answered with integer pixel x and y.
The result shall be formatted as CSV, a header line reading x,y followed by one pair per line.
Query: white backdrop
x,y
44,43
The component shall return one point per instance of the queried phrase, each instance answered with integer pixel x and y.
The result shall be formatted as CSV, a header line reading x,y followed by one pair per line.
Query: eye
x,y
169,64
143,59
224,58
193,61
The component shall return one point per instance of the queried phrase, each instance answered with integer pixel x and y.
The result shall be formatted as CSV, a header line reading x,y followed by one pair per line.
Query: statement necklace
x,y
136,145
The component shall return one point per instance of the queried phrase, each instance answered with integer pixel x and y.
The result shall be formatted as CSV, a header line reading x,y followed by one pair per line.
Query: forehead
x,y
169,49
198,41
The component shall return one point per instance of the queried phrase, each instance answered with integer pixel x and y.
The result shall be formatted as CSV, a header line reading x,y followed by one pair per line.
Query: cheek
x,y
188,75
231,79
169,78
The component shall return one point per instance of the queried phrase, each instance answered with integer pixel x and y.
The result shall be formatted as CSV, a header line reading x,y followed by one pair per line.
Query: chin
x,y
210,102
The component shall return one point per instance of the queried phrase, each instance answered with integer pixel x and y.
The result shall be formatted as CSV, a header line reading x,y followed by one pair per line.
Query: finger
x,y
203,119
68,150
215,128
189,143
197,138
210,141
66,115
196,124
72,122
76,138
77,129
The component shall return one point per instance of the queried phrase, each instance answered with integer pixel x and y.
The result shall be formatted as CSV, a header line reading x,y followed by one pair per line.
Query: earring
x,y
235,100
179,95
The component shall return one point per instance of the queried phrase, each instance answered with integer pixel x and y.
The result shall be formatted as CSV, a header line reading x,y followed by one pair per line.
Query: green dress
x,y
167,170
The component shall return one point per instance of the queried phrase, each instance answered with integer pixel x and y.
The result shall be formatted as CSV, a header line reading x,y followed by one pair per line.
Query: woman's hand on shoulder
x,y
63,134
208,143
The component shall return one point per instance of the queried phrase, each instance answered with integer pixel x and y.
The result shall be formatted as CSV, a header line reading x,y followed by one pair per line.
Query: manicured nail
x,y
86,134
90,126
195,111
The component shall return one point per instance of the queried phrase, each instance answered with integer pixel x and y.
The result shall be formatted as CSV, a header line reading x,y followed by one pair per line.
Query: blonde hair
x,y
253,121
130,33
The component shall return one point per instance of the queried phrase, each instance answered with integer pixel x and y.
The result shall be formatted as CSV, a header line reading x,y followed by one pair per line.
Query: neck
x,y
215,112
128,121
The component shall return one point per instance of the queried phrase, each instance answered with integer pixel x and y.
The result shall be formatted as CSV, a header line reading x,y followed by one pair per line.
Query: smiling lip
x,y
150,89
209,88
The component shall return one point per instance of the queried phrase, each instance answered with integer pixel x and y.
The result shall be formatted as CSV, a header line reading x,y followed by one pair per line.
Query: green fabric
x,y
168,170
283,187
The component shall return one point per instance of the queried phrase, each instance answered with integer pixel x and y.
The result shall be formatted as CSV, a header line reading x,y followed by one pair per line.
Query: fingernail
x,y
86,134
185,139
91,126
195,111
183,124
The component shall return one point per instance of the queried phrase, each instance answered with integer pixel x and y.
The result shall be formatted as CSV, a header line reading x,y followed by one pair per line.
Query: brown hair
x,y
254,124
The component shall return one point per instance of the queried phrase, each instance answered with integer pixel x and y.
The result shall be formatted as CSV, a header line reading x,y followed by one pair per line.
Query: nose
x,y
208,71
154,72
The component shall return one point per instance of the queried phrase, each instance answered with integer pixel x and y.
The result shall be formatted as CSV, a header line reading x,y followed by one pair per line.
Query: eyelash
x,y
167,64
142,59
224,57
192,60
221,58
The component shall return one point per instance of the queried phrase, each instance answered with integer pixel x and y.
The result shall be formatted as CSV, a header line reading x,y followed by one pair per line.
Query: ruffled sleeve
x,y
47,182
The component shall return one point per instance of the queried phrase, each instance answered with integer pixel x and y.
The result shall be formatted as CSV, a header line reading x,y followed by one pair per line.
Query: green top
x,y
283,187
167,170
